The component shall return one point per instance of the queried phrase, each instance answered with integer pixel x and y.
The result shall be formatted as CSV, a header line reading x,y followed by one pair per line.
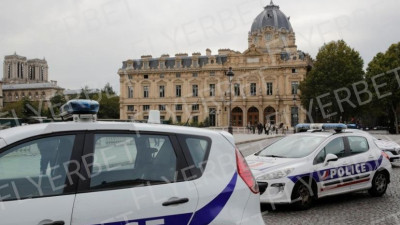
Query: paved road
x,y
354,208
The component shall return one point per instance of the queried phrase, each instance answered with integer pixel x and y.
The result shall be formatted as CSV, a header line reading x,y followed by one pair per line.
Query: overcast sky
x,y
85,41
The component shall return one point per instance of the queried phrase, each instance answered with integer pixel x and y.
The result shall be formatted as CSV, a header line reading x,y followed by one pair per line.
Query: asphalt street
x,y
353,208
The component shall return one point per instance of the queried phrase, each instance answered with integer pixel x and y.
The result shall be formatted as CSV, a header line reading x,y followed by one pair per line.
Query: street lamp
x,y
295,111
230,74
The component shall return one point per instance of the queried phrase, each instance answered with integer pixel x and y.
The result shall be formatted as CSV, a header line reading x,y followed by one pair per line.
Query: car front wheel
x,y
379,184
302,196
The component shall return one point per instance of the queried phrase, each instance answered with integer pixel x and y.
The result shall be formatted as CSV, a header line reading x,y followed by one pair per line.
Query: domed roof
x,y
271,17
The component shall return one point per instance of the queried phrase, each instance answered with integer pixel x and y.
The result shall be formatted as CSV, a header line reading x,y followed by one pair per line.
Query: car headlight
x,y
277,174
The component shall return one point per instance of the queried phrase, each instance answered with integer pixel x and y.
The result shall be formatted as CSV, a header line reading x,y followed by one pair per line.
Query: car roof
x,y
15,134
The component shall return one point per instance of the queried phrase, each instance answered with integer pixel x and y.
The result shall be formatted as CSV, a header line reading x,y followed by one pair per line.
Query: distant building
x,y
193,88
28,78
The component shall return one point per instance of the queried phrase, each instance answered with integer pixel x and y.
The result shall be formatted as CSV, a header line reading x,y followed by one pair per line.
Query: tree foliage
x,y
336,68
383,72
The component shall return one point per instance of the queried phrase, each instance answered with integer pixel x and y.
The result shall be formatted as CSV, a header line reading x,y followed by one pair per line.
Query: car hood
x,y
260,165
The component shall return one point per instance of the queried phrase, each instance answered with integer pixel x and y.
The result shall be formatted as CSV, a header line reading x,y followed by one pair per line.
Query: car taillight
x,y
245,173
385,155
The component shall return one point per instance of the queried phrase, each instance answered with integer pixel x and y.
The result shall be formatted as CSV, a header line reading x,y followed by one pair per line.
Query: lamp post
x,y
230,75
295,111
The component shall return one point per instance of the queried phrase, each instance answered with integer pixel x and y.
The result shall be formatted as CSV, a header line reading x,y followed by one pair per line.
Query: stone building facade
x,y
192,88
29,78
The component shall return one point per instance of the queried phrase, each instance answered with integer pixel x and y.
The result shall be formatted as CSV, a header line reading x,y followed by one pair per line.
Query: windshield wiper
x,y
274,156
142,182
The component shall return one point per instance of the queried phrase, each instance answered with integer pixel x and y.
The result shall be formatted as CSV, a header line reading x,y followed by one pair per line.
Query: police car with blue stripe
x,y
303,167
89,172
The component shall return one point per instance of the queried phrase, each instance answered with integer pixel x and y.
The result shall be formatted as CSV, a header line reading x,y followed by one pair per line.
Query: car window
x,y
336,147
198,149
320,158
132,159
358,145
36,168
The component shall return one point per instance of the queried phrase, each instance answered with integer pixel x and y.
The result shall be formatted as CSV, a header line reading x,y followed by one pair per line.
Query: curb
x,y
259,139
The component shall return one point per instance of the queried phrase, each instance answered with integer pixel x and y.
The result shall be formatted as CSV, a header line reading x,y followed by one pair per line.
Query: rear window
x,y
196,150
358,145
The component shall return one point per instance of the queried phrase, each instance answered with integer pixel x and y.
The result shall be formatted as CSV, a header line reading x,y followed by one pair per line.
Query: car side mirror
x,y
330,158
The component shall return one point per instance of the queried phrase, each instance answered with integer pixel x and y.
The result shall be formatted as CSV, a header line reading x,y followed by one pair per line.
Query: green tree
x,y
384,70
55,103
336,68
23,109
109,106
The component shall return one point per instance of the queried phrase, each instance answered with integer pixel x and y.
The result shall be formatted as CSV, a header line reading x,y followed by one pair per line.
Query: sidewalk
x,y
247,138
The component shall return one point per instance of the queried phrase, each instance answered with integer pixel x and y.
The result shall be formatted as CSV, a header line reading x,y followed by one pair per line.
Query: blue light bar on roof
x,y
302,127
79,107
334,126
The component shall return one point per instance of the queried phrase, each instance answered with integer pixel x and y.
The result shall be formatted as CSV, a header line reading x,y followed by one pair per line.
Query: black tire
x,y
379,184
302,195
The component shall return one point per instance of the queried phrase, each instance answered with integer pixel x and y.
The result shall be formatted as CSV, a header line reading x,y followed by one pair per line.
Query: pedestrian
x,y
248,127
254,128
259,128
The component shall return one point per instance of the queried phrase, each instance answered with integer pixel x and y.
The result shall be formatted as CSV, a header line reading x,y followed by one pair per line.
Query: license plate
x,y
396,160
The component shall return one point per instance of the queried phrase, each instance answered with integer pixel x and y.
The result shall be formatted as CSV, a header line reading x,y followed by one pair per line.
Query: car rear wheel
x,y
302,195
379,184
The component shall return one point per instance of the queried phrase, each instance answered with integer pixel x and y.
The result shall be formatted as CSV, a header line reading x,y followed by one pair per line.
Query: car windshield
x,y
294,146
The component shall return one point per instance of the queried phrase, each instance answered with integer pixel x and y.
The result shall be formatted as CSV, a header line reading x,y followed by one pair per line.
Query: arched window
x,y
9,70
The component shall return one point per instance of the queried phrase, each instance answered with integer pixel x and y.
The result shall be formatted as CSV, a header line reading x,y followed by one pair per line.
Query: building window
x,y
130,77
162,65
146,65
253,89
145,117
32,73
195,90
195,107
130,92
130,108
178,64
294,70
269,88
162,91
212,89
161,107
237,89
9,70
178,90
178,119
145,91
195,74
212,74
42,73
295,86
268,37
146,108
195,63
195,119
146,76
178,107
22,70
162,75
178,75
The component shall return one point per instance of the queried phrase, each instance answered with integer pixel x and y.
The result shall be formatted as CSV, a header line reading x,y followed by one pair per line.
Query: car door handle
x,y
175,201
55,223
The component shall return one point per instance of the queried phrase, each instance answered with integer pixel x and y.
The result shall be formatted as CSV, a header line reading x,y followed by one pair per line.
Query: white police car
x,y
305,166
88,172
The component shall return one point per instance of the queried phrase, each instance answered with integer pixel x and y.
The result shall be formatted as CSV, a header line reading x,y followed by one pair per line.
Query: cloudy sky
x,y
85,41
